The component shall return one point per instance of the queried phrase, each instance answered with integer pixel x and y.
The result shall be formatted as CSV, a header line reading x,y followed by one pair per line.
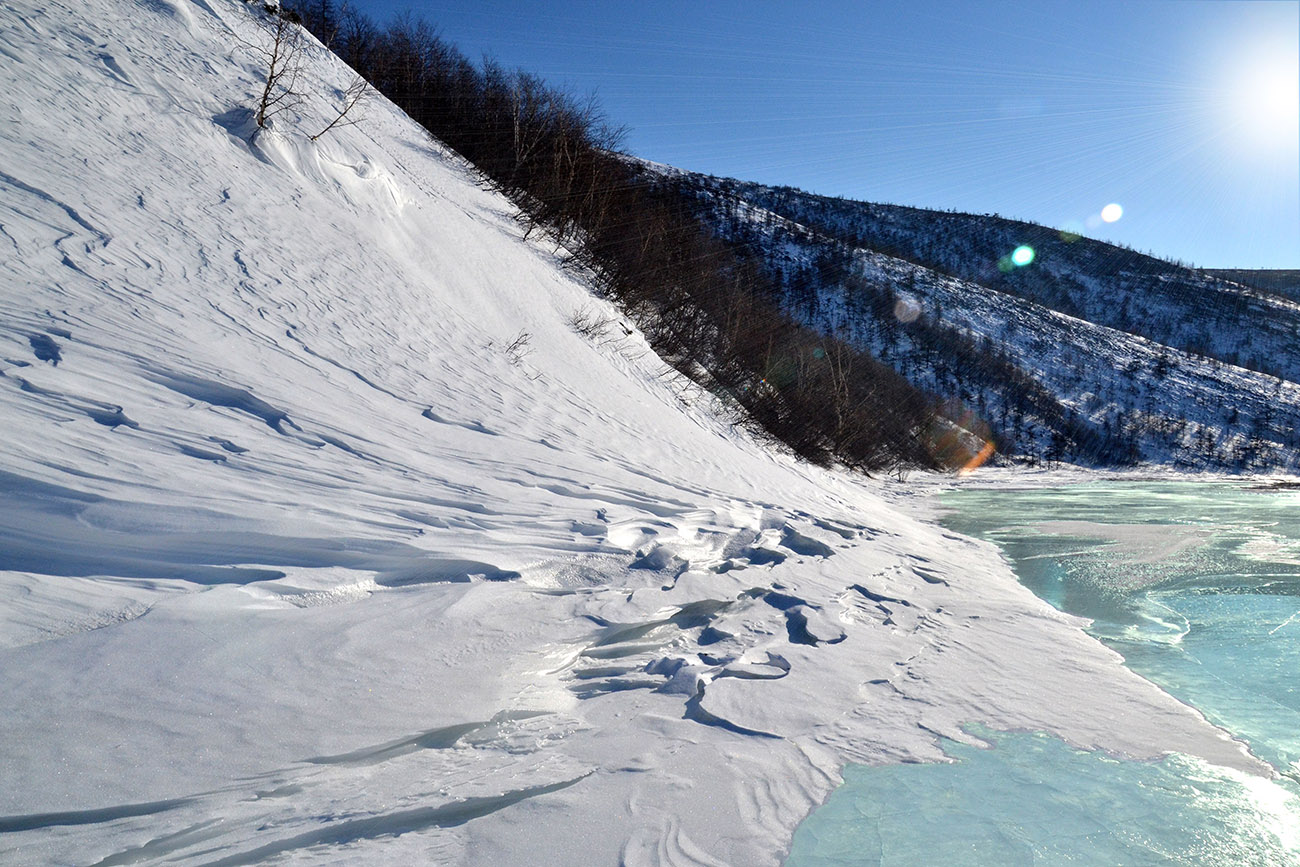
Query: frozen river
x,y
1197,585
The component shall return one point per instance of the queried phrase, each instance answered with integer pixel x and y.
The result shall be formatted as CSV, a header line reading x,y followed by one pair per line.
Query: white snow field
x,y
304,563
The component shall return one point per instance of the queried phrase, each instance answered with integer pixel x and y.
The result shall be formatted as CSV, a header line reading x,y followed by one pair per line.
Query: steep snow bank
x,y
325,535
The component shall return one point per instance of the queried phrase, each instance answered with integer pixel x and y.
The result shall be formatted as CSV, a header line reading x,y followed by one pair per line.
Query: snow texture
x,y
298,561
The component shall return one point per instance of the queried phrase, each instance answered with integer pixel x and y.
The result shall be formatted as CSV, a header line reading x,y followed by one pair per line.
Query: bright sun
x,y
1265,100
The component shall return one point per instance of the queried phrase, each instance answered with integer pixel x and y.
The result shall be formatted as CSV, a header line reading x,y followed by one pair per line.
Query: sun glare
x,y
1265,100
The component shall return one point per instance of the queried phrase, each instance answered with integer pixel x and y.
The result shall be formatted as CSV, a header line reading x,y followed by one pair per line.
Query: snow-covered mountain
x,y
1281,281
1086,351
327,536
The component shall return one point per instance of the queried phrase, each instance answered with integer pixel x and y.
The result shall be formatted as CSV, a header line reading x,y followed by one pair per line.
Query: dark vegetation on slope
x,y
706,304
1283,282
1025,420
1167,302
1151,363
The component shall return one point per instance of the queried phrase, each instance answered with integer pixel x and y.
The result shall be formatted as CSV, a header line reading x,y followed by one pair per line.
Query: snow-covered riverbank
x,y
324,533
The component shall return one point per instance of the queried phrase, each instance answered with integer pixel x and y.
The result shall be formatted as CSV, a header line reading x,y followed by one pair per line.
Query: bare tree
x,y
279,46
357,93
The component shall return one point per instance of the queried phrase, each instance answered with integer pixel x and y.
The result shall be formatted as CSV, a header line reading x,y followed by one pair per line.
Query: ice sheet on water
x,y
1031,799
1213,620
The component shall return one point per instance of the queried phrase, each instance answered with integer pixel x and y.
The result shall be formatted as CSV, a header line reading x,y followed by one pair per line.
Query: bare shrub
x,y
590,323
519,347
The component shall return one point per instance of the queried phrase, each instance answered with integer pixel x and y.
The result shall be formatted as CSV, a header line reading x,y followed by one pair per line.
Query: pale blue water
x,y
1198,587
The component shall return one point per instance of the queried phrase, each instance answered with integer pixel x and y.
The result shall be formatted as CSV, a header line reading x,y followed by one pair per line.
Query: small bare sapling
x,y
350,112
278,47
517,349
590,323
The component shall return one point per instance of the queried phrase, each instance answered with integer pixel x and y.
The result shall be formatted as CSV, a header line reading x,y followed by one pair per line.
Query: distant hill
x,y
1284,282
1082,350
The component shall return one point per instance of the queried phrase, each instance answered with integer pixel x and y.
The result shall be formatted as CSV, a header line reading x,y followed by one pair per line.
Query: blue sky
x,y
1181,111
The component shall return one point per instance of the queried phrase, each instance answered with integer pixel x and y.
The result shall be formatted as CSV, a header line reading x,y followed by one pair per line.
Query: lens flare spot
x,y
1022,256
1111,212
906,310
977,460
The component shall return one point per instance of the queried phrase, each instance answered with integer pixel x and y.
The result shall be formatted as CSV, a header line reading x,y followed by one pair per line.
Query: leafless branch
x,y
518,347
349,114
590,323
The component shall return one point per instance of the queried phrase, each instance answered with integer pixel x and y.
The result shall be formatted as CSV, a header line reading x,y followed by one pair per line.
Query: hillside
x,y
1090,352
1282,282
329,534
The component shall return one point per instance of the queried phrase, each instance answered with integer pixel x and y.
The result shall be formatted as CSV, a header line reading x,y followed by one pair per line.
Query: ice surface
x,y
1213,619
1029,799
1196,585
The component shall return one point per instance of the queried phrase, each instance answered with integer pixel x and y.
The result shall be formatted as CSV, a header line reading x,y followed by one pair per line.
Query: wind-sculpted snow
x,y
299,561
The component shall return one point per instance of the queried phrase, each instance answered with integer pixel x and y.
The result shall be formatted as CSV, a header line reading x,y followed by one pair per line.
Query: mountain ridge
x,y
844,265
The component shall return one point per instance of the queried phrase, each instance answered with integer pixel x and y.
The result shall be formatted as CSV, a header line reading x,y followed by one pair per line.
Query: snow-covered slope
x,y
1132,359
324,535
1283,282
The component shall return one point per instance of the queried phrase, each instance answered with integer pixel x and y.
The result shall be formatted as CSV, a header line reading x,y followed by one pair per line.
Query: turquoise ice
x,y
1033,800
1198,587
